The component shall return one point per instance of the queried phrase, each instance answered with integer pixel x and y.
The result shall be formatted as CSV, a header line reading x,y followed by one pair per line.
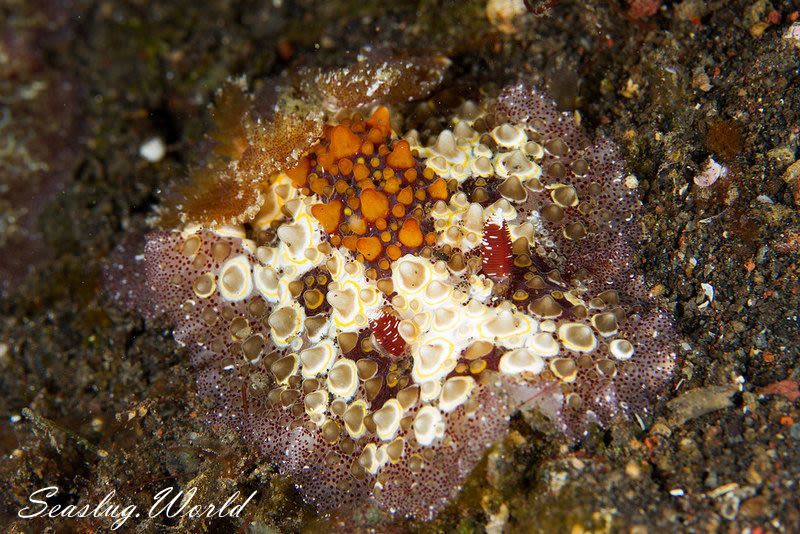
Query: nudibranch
x,y
372,325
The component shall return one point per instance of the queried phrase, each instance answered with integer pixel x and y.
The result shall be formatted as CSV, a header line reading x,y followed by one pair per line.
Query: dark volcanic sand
x,y
92,398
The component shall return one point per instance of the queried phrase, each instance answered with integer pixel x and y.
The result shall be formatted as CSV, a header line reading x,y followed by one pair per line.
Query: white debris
x,y
631,182
708,289
722,490
153,149
793,34
713,172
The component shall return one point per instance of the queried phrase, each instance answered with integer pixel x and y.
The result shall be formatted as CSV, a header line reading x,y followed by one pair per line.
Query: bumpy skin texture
x,y
384,371
241,392
604,259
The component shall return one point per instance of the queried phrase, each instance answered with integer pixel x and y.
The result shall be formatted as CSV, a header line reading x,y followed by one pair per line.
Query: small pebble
x,y
793,34
713,172
153,150
700,401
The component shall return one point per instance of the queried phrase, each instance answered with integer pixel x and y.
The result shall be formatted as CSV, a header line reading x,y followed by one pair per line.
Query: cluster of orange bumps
x,y
373,189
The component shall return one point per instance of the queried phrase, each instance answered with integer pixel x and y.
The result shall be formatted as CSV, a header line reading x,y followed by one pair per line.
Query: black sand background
x,y
92,398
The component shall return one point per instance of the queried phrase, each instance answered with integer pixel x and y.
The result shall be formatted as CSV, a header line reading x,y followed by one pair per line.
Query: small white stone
x,y
711,174
708,289
153,150
793,34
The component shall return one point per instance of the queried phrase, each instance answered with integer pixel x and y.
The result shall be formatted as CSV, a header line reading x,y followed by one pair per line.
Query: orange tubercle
x,y
329,215
366,184
374,205
318,185
341,186
405,196
299,173
394,252
345,167
370,247
344,142
380,119
325,159
376,136
438,189
357,225
350,242
360,172
410,234
400,157
392,185
371,204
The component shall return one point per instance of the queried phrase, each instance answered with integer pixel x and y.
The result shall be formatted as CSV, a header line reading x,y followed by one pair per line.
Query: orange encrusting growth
x,y
230,115
216,195
373,192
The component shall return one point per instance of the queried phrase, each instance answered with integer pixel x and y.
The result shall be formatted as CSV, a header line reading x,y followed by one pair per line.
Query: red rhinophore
x,y
496,250
384,328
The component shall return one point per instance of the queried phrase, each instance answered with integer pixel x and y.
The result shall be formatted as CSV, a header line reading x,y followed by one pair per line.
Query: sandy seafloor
x,y
93,398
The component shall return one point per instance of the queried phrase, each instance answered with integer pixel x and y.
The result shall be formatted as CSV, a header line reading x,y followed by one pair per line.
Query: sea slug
x,y
369,309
